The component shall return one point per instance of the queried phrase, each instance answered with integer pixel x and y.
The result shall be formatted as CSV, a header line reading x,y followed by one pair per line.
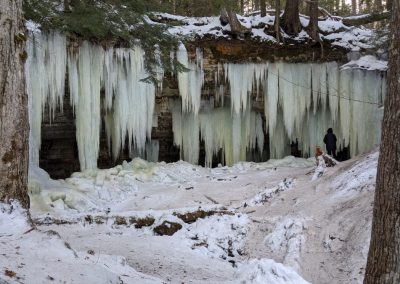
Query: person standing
x,y
330,142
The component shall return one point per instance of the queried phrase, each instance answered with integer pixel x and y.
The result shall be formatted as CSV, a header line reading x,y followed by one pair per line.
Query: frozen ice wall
x,y
127,107
301,101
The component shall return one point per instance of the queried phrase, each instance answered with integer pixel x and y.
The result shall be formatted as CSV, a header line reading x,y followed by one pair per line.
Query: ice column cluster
x,y
128,104
45,81
301,101
236,135
190,82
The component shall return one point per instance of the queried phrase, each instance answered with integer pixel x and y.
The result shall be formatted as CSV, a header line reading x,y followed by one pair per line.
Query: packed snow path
x,y
257,216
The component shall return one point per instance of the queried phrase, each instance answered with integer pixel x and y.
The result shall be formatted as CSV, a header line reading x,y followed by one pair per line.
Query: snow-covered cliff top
x,y
332,30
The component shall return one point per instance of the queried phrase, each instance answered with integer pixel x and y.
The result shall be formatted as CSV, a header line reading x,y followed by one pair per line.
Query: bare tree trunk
x,y
256,5
13,105
263,8
291,18
389,4
312,28
383,266
242,6
354,7
337,5
378,5
277,26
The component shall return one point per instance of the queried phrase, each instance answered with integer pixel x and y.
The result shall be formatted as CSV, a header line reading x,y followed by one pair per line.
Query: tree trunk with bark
x,y
230,17
312,27
383,266
277,26
14,126
291,18
378,5
389,4
263,8
354,7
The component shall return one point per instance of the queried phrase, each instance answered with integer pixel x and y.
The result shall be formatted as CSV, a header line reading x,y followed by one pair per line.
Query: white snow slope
x,y
269,223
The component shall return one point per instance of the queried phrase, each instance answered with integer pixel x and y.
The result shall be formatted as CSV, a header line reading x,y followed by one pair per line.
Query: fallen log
x,y
366,19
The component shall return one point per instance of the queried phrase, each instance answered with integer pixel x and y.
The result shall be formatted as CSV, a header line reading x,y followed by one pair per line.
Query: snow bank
x,y
287,239
267,271
358,179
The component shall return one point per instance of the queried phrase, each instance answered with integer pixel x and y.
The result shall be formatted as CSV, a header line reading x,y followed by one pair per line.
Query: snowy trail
x,y
259,215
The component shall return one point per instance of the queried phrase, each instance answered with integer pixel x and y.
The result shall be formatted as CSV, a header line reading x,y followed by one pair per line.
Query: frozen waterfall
x,y
301,101
127,107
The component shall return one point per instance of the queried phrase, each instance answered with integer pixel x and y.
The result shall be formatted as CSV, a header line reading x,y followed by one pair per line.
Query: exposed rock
x,y
142,222
192,217
120,221
167,228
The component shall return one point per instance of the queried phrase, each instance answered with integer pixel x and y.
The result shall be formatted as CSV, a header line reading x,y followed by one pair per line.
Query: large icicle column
x,y
235,134
190,81
128,103
45,77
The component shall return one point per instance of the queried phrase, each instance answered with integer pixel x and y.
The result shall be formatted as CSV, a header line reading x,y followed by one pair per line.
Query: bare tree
x,y
383,266
312,27
277,26
389,4
263,8
291,18
13,104
354,7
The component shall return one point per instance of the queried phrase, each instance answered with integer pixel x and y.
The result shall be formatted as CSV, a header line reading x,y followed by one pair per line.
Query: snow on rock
x,y
218,236
267,271
367,62
352,38
334,31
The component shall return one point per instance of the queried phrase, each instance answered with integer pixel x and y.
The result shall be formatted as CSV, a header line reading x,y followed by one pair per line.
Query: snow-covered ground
x,y
250,223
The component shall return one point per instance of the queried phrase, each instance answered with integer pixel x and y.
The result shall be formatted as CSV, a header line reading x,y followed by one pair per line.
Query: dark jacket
x,y
330,141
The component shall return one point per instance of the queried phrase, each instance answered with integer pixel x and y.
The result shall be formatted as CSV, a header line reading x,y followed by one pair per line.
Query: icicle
x,y
333,89
241,78
190,82
45,74
88,120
